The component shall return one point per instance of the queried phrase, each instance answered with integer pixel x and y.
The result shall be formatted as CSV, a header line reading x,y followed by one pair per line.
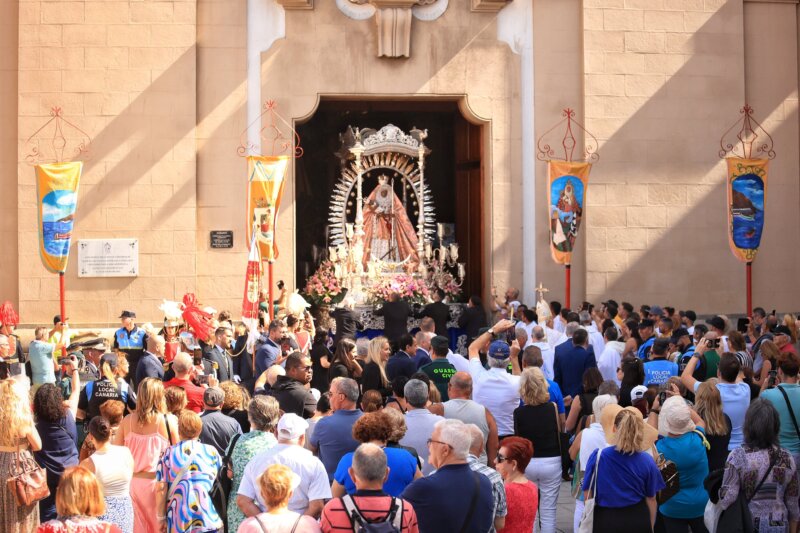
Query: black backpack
x,y
392,523
221,490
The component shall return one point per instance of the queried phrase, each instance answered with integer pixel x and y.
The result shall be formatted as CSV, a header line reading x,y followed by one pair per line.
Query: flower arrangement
x,y
448,284
410,288
323,287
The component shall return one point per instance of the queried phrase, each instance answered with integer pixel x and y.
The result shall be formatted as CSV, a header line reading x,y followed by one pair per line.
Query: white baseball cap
x,y
291,427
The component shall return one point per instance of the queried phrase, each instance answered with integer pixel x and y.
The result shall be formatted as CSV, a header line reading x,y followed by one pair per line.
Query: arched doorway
x,y
453,172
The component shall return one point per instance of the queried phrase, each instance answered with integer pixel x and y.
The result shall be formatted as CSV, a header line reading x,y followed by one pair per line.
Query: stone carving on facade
x,y
490,6
393,19
297,4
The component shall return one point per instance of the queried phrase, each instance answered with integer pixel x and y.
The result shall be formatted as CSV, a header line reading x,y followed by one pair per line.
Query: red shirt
x,y
194,393
374,505
522,500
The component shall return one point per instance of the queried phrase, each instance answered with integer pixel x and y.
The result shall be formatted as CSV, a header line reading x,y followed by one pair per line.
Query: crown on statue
x,y
383,179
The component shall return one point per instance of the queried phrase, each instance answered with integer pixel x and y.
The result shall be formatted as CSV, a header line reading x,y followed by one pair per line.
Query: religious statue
x,y
389,235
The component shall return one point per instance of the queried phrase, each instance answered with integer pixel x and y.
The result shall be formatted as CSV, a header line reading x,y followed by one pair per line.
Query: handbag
x,y
672,480
28,480
586,524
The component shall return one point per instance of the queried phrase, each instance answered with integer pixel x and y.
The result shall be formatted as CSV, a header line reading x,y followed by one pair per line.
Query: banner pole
x,y
61,295
749,276
567,272
269,291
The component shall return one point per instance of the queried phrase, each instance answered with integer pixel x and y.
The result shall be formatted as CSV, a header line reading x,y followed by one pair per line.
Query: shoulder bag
x,y
791,411
28,480
586,524
671,476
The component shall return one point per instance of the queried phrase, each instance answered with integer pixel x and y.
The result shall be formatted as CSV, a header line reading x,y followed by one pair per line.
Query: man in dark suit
x,y
219,354
347,321
438,311
395,315
402,362
151,364
243,363
473,318
572,359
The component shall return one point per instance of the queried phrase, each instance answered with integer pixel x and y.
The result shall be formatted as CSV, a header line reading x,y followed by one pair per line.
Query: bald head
x,y
537,333
460,386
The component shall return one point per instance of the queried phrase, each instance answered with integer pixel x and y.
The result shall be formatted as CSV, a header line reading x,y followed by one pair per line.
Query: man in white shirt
x,y
495,388
309,497
609,359
548,352
595,337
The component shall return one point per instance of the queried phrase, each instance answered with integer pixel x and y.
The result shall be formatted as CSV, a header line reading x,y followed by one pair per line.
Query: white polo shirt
x,y
498,391
313,477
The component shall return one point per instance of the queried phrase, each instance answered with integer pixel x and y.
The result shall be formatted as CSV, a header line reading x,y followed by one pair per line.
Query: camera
x,y
772,378
202,379
67,359
713,343
662,397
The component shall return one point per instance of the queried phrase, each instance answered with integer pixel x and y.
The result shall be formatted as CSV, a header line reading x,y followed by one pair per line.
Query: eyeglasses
x,y
430,441
501,458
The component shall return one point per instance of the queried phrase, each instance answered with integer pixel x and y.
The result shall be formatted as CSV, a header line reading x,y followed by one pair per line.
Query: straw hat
x,y
675,417
608,416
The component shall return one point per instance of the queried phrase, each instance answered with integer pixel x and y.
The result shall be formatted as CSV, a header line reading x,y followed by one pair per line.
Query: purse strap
x,y
766,475
593,483
791,411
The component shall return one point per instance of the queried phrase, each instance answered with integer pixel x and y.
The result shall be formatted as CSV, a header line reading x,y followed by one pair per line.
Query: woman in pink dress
x,y
147,433
522,496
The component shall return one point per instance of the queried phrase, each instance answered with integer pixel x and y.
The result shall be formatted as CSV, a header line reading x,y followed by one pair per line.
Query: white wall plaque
x,y
108,258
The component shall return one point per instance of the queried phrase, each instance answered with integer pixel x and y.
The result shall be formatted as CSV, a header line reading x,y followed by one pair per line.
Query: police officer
x,y
132,340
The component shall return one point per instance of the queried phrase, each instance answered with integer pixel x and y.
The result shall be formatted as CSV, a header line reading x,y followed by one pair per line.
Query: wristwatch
x,y
491,331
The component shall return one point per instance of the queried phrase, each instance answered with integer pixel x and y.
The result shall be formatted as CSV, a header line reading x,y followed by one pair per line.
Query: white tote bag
x,y
587,517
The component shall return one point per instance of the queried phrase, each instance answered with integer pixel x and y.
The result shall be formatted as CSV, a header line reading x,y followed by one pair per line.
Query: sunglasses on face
x,y
501,459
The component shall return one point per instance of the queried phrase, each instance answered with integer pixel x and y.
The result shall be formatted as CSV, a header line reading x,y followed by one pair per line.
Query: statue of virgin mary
x,y
388,233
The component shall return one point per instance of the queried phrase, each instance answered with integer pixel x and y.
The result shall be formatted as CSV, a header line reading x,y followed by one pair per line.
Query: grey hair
x,y
416,393
362,346
498,363
182,363
538,333
369,462
600,402
521,335
609,386
263,412
455,433
477,439
348,387
571,328
398,422
585,317
762,425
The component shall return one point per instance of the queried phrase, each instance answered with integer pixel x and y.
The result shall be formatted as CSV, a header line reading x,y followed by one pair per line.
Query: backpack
x,y
392,523
221,489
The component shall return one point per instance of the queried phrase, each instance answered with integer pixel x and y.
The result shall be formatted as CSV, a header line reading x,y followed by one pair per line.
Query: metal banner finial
x,y
749,142
547,150
58,142
271,134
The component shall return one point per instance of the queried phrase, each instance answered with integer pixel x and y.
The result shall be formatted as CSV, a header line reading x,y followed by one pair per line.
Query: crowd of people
x,y
659,421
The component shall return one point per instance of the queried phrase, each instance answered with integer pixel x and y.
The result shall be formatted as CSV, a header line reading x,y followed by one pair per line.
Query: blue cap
x,y
499,350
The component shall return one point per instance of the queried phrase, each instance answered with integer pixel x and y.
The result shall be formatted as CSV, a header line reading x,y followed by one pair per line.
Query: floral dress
x,y
776,503
189,469
248,446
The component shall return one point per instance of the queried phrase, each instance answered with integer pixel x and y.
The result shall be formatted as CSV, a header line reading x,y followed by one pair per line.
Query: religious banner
x,y
57,193
265,189
747,191
568,181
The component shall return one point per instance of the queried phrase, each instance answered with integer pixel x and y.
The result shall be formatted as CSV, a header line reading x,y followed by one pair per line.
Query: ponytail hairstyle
x,y
630,431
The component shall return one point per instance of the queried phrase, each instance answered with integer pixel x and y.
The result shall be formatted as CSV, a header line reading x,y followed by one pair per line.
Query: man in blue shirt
x,y
572,359
333,435
658,370
444,500
269,353
734,392
130,339
402,363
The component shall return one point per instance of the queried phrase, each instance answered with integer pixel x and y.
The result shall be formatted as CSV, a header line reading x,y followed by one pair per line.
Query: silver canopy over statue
x,y
388,233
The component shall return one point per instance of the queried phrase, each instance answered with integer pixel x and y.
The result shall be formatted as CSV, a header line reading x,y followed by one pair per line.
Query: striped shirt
x,y
374,505
498,488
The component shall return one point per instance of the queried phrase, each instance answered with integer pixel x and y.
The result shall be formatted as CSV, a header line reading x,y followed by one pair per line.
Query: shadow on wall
x,y
680,256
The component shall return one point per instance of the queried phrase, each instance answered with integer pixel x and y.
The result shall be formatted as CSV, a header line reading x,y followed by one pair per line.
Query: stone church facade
x,y
167,89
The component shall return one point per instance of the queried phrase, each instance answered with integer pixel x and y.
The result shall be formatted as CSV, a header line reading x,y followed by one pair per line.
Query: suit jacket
x,y
150,366
472,320
347,323
243,364
439,312
569,364
395,318
400,364
224,362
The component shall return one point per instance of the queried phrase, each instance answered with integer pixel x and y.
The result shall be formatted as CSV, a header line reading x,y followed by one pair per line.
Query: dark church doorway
x,y
453,171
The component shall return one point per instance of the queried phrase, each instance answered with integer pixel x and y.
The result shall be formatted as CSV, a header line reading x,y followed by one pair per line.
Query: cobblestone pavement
x,y
565,509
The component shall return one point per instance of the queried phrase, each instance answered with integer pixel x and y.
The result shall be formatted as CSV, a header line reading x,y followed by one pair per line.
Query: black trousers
x,y
632,519
682,525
